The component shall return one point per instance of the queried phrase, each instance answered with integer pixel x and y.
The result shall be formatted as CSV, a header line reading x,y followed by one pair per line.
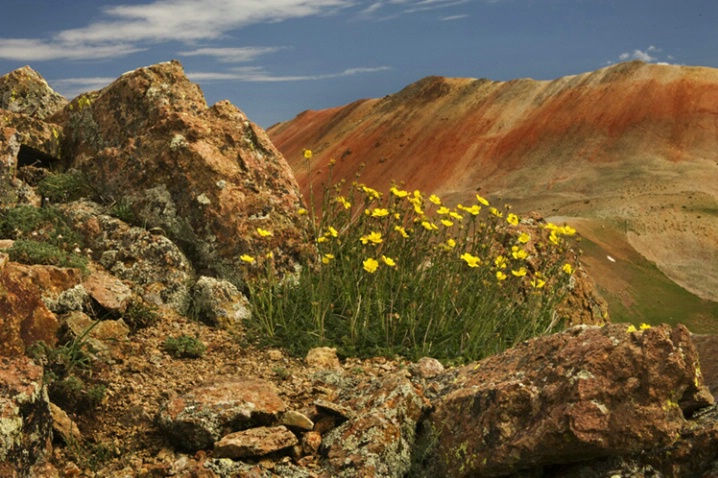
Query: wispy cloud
x,y
72,87
233,55
160,21
453,17
652,54
259,74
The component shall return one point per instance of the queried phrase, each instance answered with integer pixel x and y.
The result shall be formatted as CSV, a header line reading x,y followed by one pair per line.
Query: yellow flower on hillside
x,y
343,201
400,193
401,231
473,210
388,261
264,232
269,255
537,282
456,215
379,212
524,238
519,273
443,210
451,243
331,232
307,154
482,200
500,262
302,211
500,276
644,326
554,238
246,258
429,226
370,265
518,253
512,219
372,237
447,223
567,268
435,199
496,212
418,210
322,239
567,230
371,193
327,258
471,261
631,328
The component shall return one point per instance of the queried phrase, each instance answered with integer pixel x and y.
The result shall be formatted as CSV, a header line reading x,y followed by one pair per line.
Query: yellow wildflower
x,y
269,255
322,239
307,154
496,212
429,226
482,200
550,226
567,230
302,211
519,273
443,210
451,243
379,212
554,238
400,193
473,210
246,258
500,262
512,219
644,326
518,253
401,231
537,282
370,265
471,261
500,276
456,215
524,238
418,210
343,201
447,223
631,328
327,258
373,237
331,232
388,261
372,193
435,199
264,232
567,268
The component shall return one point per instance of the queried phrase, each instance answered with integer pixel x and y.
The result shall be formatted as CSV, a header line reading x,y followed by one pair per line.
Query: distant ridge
x,y
632,147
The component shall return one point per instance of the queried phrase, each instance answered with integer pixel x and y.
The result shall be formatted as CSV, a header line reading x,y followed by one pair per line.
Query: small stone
x,y
427,367
254,442
275,355
334,409
63,425
322,357
311,441
294,419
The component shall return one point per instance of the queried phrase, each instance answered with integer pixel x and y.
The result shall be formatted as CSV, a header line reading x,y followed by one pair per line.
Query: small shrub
x,y
402,273
184,346
122,210
140,315
35,252
281,373
65,187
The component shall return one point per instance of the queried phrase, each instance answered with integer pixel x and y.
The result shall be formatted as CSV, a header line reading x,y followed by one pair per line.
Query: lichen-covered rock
x,y
25,421
586,393
24,317
379,439
9,148
323,358
254,442
25,91
206,175
104,338
148,260
109,292
203,415
218,302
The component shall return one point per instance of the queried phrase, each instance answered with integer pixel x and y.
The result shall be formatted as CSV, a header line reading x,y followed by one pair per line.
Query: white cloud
x,y
453,17
259,74
649,55
160,21
232,55
72,87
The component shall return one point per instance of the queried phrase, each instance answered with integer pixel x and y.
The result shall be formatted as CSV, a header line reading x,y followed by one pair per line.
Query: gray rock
x,y
219,303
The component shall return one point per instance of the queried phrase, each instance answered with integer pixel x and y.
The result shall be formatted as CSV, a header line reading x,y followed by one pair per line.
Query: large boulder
x,y
586,393
25,91
24,317
25,419
206,175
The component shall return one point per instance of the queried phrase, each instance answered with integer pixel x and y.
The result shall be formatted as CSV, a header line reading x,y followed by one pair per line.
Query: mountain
x,y
628,154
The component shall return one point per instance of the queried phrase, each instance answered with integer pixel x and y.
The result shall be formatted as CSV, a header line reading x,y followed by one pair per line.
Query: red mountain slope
x,y
632,147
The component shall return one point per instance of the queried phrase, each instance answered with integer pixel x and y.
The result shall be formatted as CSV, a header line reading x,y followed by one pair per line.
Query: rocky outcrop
x,y
586,393
25,421
206,176
25,91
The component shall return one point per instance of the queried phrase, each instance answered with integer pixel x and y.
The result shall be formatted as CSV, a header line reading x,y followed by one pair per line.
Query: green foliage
x,y
140,315
122,210
42,236
400,273
184,346
65,187
68,373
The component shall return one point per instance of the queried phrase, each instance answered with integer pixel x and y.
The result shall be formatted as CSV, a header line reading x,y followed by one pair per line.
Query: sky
x,y
276,58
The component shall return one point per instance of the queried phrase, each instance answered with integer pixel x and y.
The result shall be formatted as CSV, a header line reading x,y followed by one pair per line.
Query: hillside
x,y
628,154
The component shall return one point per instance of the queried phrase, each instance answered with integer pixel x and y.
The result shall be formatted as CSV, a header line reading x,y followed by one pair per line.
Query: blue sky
x,y
276,58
